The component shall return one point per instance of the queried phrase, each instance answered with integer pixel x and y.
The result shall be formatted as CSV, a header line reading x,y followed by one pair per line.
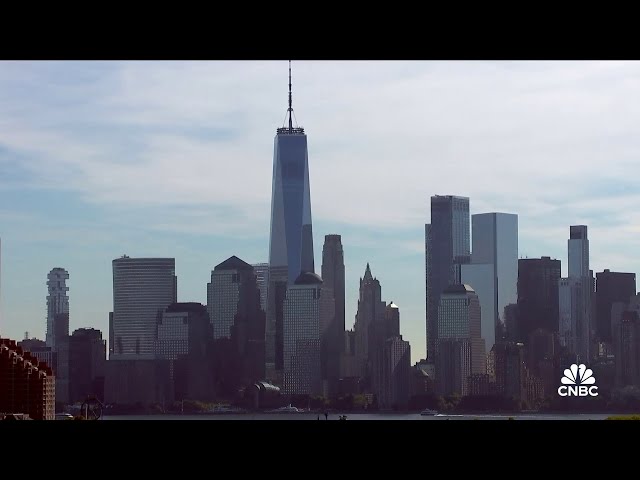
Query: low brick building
x,y
27,386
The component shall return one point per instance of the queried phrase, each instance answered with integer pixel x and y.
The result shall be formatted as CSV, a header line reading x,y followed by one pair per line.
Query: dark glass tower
x,y
538,305
333,334
611,287
291,239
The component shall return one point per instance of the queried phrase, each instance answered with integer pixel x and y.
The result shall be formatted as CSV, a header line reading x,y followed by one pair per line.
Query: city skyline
x,y
88,155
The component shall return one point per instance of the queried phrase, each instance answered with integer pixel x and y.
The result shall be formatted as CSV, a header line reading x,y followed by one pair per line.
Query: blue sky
x,y
99,159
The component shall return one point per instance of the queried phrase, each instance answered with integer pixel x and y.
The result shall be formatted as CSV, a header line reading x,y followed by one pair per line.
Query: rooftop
x,y
459,289
233,263
308,278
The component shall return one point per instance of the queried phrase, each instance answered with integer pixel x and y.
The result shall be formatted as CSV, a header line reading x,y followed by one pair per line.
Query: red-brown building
x,y
27,386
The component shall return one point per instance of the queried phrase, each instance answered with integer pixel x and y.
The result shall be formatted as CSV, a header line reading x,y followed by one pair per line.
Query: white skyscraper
x,y
142,289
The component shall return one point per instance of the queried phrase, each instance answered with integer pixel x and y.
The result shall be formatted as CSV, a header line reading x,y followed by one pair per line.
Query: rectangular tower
x,y
142,289
495,243
447,247
611,287
537,296
577,326
333,335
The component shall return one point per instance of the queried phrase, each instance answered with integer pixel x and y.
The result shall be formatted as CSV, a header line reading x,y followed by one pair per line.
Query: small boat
x,y
428,412
287,409
64,416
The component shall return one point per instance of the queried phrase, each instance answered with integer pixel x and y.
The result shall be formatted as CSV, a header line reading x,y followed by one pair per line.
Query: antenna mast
x,y
290,110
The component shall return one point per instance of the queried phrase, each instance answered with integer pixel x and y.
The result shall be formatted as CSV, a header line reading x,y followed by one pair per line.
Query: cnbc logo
x,y
578,381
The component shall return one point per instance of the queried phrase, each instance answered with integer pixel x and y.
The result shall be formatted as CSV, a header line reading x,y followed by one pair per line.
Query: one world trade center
x,y
291,239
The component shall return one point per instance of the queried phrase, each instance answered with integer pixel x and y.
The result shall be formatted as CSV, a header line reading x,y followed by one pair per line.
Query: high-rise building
x,y
26,385
111,341
262,275
38,349
87,364
0,282
57,306
576,293
223,294
460,349
142,289
611,287
184,339
238,322
396,373
291,237
510,369
333,278
447,247
481,277
495,253
58,329
538,305
306,308
626,339
248,333
369,317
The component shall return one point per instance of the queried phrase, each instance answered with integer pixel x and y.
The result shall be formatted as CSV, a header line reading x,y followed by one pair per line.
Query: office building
x,y
333,278
611,287
575,296
538,302
447,247
142,289
306,308
370,313
262,276
626,339
184,340
87,364
291,237
223,294
493,272
460,348
396,373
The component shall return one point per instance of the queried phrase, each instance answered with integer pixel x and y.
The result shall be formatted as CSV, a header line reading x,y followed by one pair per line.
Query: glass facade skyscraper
x,y
291,236
494,253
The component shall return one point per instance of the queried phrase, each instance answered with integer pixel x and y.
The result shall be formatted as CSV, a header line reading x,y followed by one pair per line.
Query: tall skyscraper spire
x,y
290,110
291,236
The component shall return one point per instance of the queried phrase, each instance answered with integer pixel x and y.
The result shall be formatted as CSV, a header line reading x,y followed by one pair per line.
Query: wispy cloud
x,y
187,146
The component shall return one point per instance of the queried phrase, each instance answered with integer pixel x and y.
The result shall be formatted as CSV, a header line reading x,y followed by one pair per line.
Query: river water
x,y
364,416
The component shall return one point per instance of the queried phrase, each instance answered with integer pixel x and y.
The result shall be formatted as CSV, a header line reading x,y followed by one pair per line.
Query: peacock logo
x,y
578,381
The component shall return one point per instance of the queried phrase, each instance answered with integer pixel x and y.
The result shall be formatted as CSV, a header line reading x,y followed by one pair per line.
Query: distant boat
x,y
287,409
428,412
64,416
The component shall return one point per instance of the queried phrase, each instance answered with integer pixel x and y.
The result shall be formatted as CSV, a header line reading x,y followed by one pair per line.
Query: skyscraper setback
x,y
575,295
291,238
447,247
